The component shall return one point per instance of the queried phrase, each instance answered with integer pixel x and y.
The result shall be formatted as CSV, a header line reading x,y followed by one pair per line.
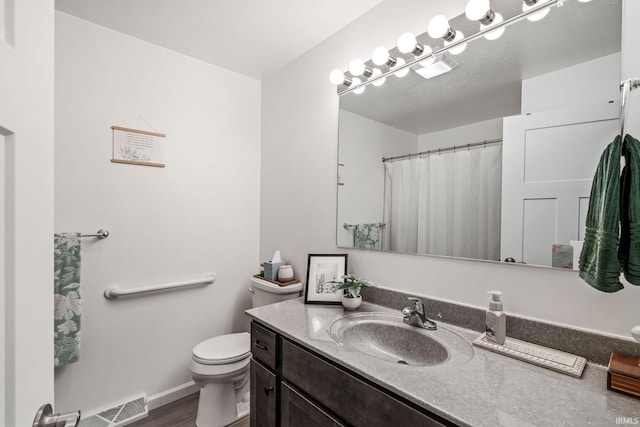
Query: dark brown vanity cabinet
x,y
263,378
291,387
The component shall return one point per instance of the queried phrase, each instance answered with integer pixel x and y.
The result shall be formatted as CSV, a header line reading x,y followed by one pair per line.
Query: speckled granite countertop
x,y
489,390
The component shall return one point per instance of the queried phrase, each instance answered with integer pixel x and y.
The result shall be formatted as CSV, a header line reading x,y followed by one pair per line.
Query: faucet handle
x,y
417,303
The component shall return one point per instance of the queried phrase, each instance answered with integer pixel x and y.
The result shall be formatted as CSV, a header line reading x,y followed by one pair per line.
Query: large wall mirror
x,y
492,160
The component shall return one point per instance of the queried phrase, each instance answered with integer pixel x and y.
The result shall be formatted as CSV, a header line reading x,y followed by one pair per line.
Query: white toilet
x,y
220,365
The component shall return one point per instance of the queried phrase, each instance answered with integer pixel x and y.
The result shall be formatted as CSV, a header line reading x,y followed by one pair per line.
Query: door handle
x,y
268,389
46,418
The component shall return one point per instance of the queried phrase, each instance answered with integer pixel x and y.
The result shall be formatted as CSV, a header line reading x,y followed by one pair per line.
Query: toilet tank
x,y
264,292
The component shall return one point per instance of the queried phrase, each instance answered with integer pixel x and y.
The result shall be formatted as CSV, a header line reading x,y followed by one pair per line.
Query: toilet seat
x,y
223,349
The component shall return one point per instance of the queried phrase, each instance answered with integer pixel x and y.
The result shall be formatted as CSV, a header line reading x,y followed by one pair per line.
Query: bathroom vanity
x,y
301,374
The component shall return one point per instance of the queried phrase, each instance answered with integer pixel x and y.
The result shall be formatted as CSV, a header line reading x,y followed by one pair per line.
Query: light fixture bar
x,y
467,39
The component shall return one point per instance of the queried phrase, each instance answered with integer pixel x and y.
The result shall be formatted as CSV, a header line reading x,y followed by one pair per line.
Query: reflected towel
x,y
599,264
629,252
67,302
367,236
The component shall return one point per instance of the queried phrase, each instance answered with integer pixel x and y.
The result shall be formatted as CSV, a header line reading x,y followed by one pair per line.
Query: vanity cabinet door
x,y
264,403
296,411
348,397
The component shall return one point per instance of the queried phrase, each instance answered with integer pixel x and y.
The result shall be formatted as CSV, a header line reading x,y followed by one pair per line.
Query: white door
x,y
26,209
549,160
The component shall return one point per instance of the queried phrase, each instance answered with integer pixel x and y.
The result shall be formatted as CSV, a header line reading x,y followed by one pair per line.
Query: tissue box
x,y
271,270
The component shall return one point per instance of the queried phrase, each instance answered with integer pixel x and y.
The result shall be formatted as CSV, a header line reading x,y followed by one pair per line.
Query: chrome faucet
x,y
414,316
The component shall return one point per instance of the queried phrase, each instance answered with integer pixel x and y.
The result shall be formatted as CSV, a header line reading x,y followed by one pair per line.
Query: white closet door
x,y
549,160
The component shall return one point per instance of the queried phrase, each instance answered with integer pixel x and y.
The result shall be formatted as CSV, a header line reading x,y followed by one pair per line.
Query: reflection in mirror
x,y
492,160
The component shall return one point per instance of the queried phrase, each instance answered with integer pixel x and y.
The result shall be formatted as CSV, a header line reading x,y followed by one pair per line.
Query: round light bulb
x,y
407,43
355,82
403,72
458,49
336,77
356,67
495,34
430,60
376,73
380,55
438,26
477,9
536,16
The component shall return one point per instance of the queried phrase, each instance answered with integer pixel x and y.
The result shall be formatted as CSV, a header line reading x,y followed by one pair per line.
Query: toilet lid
x,y
223,349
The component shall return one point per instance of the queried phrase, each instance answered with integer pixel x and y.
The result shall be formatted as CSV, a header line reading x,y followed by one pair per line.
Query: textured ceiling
x,y
252,37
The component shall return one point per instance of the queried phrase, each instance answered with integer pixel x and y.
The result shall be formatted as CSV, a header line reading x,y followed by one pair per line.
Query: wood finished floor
x,y
181,413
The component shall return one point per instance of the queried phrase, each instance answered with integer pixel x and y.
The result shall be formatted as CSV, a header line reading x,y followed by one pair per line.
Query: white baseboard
x,y
173,394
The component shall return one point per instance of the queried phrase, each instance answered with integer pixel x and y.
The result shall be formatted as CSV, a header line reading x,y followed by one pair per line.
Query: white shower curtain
x,y
445,203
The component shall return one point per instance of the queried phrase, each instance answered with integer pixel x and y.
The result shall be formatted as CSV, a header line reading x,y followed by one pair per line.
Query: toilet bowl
x,y
220,365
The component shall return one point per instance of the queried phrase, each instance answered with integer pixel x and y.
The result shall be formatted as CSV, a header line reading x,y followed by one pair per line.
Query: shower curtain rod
x,y
441,150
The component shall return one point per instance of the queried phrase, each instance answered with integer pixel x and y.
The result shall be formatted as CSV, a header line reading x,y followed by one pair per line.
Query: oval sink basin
x,y
386,337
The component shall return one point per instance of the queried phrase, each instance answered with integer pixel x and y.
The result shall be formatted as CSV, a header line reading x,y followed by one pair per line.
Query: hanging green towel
x,y
67,303
598,263
629,252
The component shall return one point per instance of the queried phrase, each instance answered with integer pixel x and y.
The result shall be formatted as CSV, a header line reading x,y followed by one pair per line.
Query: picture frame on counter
x,y
322,269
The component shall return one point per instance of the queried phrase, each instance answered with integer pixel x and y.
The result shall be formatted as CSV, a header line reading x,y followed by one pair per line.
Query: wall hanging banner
x,y
138,147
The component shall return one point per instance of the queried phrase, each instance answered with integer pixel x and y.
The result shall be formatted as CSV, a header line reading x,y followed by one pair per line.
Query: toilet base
x,y
221,403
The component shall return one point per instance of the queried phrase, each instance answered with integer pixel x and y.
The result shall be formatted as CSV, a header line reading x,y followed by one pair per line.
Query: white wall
x,y
583,84
461,135
363,143
299,151
197,215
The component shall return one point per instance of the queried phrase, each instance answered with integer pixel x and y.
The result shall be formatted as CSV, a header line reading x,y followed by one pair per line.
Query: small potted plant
x,y
351,299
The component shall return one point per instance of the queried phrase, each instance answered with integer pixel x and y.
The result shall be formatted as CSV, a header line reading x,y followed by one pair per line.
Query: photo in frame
x,y
321,270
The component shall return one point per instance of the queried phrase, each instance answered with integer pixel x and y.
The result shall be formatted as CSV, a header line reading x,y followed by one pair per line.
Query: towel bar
x,y
348,226
114,292
103,233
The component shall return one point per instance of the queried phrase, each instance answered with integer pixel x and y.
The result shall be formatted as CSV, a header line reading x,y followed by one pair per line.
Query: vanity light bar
x,y
537,8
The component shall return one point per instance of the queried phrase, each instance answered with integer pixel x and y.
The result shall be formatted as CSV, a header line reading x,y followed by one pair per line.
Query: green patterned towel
x,y
598,263
67,303
367,236
629,252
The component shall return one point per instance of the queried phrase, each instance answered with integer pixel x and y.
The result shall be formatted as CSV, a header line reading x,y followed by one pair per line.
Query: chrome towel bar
x,y
348,226
114,292
103,233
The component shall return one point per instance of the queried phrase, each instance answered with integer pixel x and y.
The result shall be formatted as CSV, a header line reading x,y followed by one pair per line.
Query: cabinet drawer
x,y
350,398
263,345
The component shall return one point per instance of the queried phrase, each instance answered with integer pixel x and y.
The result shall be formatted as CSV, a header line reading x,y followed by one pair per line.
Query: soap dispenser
x,y
496,321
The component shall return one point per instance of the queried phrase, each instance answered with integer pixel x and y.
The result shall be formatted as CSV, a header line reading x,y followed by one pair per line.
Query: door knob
x,y
46,418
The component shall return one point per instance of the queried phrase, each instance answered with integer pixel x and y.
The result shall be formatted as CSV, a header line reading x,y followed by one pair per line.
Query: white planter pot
x,y
351,303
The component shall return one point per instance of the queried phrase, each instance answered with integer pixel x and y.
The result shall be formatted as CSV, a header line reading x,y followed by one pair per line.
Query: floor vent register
x,y
119,415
